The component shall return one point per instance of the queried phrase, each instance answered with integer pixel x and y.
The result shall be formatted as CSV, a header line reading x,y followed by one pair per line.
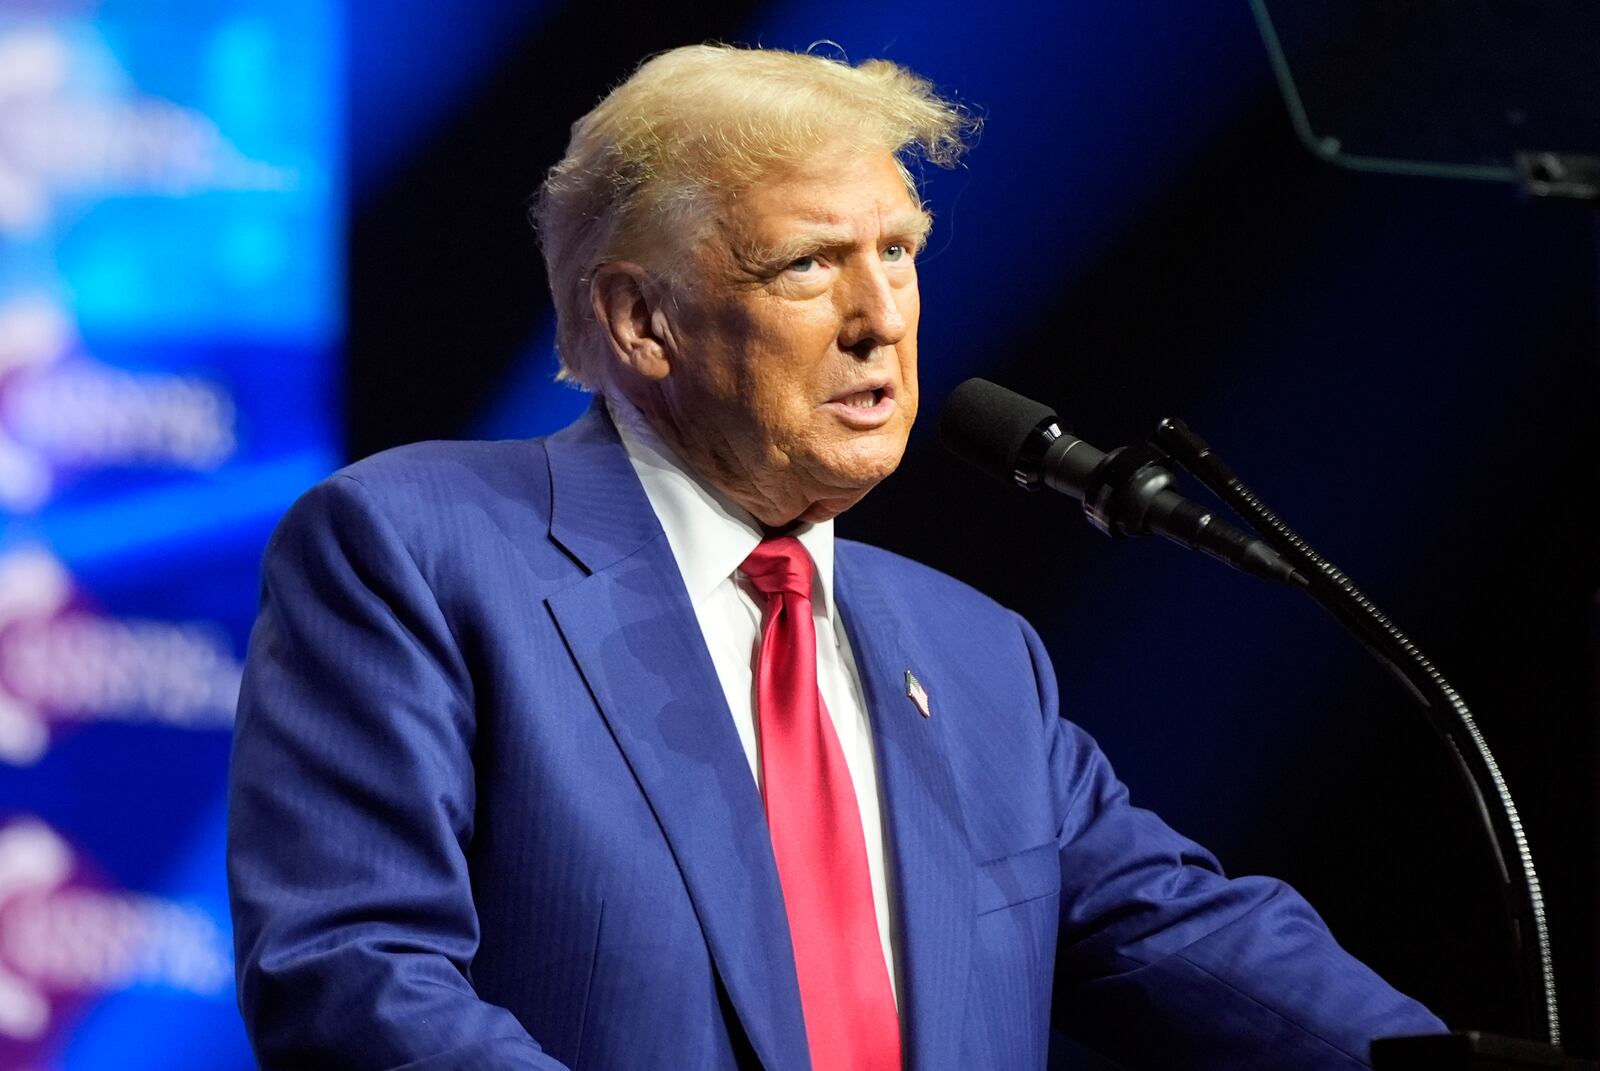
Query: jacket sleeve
x,y
1162,961
350,808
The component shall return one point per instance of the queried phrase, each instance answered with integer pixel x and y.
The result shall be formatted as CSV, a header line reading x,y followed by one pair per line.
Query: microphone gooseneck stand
x,y
1336,594
1127,492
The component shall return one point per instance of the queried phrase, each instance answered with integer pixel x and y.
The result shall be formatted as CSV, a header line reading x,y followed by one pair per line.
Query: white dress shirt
x,y
711,537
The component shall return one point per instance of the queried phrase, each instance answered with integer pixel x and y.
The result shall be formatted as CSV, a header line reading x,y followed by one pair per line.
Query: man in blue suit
x,y
599,751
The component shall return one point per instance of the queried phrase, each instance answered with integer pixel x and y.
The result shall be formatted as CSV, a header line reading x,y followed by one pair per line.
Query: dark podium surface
x,y
1469,1049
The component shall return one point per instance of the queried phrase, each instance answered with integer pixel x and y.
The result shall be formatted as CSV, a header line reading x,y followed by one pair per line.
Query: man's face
x,y
793,383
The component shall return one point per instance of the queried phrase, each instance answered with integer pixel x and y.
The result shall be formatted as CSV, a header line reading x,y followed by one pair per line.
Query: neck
x,y
769,502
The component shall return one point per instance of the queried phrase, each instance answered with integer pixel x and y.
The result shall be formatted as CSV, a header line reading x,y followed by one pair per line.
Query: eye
x,y
896,253
802,266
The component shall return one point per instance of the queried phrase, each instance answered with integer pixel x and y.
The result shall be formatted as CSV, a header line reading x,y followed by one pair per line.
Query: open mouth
x,y
864,409
864,399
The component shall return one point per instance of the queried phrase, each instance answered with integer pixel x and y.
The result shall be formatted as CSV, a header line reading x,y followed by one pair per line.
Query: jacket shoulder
x,y
445,505
453,473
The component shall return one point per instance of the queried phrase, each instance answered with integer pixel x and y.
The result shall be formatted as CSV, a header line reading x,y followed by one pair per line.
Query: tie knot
x,y
780,566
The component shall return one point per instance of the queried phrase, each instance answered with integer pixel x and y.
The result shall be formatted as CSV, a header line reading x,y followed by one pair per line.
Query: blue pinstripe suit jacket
x,y
489,811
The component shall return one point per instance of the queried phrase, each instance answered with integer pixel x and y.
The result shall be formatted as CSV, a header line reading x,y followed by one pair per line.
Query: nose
x,y
873,316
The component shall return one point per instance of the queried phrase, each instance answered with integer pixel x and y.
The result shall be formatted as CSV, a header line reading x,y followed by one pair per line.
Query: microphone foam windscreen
x,y
987,425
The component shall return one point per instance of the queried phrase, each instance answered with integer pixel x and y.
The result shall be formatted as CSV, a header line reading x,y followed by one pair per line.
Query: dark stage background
x,y
1404,367
241,243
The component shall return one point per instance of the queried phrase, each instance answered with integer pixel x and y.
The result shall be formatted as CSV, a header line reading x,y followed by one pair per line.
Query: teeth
x,y
862,399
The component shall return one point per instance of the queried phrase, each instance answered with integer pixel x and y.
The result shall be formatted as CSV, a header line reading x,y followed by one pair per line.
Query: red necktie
x,y
851,1022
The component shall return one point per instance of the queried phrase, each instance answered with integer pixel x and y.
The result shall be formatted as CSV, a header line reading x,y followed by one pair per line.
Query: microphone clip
x,y
1122,488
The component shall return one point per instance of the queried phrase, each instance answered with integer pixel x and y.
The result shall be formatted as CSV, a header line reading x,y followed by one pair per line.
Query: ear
x,y
627,308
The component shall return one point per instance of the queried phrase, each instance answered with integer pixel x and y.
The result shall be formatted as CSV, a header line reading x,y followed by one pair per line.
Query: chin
x,y
865,468
864,459
849,484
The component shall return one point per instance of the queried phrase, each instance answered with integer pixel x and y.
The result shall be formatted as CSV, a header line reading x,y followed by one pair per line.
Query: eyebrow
x,y
909,229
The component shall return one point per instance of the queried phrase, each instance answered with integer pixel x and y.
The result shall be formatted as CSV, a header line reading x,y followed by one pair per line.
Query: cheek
x,y
910,398
911,310
732,358
787,361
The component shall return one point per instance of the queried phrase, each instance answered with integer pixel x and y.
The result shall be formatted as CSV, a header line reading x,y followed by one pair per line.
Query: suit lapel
x,y
633,633
930,855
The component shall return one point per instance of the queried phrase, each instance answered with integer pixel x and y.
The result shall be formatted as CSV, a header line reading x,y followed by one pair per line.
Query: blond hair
x,y
643,169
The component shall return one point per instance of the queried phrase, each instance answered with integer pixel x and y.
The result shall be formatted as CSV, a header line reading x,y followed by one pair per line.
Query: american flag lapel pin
x,y
918,694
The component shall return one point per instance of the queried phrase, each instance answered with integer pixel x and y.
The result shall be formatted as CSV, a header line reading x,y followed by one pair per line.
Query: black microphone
x,y
1125,493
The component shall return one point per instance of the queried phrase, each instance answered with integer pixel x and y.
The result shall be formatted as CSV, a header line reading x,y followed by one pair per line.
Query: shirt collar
x,y
709,534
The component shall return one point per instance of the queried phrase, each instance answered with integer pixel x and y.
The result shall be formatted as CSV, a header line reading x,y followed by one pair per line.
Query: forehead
x,y
864,192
